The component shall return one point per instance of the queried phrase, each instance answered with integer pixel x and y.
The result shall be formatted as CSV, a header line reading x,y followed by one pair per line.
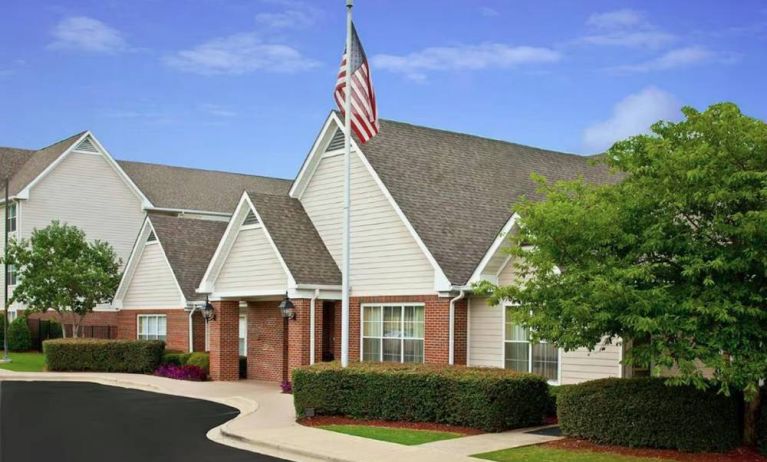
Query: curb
x,y
281,449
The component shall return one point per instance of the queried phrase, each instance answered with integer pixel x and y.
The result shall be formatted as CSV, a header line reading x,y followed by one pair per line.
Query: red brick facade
x,y
177,327
96,318
224,341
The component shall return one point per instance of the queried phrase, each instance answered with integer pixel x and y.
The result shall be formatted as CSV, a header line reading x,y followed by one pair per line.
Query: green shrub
x,y
645,412
138,356
177,358
243,367
551,404
54,329
19,336
487,399
199,359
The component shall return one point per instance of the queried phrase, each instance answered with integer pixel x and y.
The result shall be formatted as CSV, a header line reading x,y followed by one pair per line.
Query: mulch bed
x,y
319,421
737,455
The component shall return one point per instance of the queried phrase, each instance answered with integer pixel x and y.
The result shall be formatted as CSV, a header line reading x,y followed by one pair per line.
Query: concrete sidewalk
x,y
266,423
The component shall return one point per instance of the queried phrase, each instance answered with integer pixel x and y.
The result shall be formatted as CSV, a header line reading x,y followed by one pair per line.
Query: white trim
x,y
132,265
157,315
245,336
476,276
189,211
402,320
239,294
312,161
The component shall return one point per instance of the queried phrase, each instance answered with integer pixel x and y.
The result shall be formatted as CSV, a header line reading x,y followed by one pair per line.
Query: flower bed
x,y
185,372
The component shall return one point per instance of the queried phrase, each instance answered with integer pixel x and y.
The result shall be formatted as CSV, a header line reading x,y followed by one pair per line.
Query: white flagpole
x,y
347,191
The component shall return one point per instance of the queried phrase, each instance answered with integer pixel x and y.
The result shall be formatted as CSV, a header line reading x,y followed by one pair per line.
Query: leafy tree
x,y
59,269
19,336
674,254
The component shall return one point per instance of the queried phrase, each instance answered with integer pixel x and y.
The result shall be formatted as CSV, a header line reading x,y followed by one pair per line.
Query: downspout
x,y
191,330
451,328
311,325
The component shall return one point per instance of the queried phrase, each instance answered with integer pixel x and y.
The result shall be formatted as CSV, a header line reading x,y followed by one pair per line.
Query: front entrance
x,y
328,330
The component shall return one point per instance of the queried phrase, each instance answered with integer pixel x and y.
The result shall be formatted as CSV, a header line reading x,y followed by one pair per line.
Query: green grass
x,y
405,436
24,362
543,454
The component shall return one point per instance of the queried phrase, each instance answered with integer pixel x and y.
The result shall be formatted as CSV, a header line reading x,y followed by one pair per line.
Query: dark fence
x,y
40,330
105,332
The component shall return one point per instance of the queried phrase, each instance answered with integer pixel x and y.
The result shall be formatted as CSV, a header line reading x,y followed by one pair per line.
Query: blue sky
x,y
244,85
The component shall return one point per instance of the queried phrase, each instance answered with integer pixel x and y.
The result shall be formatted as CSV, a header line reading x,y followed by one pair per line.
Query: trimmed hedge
x,y
199,359
645,412
177,358
19,336
487,399
551,405
137,356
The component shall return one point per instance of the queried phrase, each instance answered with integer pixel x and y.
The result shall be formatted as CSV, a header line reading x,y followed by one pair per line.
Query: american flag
x,y
364,116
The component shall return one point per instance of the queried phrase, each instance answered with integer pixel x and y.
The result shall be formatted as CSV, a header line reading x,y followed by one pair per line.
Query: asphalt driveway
x,y
87,422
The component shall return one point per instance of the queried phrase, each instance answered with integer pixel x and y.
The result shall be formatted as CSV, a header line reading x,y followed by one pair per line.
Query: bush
x,y
186,372
138,356
551,404
646,412
54,329
243,367
199,359
19,336
177,358
487,399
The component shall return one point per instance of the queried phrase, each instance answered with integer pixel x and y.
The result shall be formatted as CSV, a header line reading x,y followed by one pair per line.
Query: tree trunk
x,y
63,326
751,420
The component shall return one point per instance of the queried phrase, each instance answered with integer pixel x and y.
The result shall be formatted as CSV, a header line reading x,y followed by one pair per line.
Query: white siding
x,y
83,190
252,264
581,365
485,333
153,284
508,274
385,258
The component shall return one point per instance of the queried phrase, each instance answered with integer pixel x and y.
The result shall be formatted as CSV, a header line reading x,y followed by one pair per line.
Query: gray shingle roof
x,y
189,245
299,243
11,160
457,190
193,189
24,171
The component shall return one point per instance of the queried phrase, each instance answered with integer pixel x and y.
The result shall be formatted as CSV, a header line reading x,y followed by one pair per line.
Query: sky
x,y
245,85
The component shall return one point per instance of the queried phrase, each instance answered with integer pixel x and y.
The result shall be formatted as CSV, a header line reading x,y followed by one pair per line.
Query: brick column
x,y
224,341
298,336
461,331
437,321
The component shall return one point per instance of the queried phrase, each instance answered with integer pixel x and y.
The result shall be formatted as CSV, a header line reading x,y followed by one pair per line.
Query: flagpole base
x,y
5,360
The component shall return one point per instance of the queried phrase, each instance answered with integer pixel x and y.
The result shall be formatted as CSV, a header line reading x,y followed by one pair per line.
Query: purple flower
x,y
287,387
186,372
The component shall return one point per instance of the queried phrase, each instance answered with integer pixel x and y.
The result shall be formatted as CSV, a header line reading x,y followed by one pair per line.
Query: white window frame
x,y
402,305
13,276
243,335
13,217
529,350
157,335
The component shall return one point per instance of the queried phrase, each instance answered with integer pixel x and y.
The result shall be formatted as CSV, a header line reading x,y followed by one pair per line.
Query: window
x,y
12,217
12,275
152,327
393,333
522,355
243,335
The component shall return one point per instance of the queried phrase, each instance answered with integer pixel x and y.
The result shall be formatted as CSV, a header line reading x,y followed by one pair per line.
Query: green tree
x,y
674,252
59,269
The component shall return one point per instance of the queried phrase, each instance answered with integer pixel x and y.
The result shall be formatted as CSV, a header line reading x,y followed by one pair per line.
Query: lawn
x,y
405,436
544,454
24,362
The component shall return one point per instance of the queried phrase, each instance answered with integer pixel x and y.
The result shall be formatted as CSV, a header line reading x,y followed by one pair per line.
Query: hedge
x,y
487,399
19,336
138,356
645,412
177,358
761,426
199,359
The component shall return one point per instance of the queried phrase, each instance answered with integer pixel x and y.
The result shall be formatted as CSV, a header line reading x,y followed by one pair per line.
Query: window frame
x,y
401,338
157,336
244,337
13,276
13,217
529,349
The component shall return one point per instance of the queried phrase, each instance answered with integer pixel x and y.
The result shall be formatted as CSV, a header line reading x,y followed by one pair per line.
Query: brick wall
x,y
96,318
224,341
264,341
177,327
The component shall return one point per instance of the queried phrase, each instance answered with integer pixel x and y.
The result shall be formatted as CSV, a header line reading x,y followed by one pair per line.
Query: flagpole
x,y
347,191
6,207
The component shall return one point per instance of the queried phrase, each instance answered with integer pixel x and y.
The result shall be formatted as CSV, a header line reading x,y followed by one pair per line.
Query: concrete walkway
x,y
266,423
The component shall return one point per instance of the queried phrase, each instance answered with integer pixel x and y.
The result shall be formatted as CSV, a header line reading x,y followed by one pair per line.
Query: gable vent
x,y
251,219
337,142
152,237
87,146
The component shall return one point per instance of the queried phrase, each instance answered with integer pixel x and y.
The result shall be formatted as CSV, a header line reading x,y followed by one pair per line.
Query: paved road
x,y
86,422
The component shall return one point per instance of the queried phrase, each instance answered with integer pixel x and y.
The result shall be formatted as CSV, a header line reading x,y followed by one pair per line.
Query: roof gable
x,y
38,161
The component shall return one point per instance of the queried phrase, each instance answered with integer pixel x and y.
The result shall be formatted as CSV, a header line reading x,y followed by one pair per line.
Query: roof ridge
x,y
485,138
202,169
18,149
77,135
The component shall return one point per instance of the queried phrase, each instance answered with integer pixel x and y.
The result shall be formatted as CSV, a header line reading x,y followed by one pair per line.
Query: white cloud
x,y
615,19
464,57
87,34
680,57
216,110
296,15
626,28
631,116
489,12
240,54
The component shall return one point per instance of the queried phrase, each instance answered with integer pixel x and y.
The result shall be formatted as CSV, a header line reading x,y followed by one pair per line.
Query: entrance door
x,y
328,330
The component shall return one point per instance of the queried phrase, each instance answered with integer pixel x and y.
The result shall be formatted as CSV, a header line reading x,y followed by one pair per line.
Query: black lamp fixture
x,y
287,308
207,311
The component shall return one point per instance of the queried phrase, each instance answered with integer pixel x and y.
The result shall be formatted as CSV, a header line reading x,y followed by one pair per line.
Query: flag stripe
x,y
364,111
